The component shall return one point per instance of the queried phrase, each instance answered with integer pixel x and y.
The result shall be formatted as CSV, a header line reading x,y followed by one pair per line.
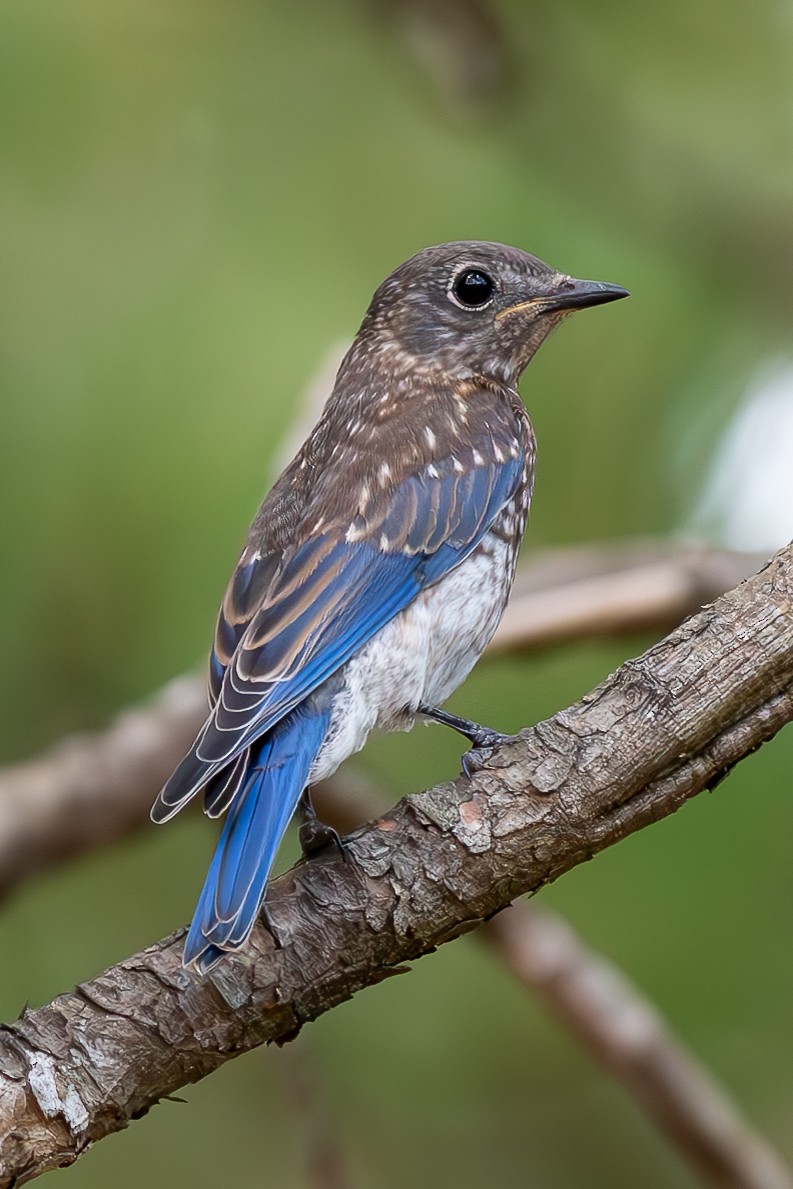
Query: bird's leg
x,y
313,834
483,738
480,736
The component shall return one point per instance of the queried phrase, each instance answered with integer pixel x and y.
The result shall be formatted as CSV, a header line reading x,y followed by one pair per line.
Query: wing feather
x,y
330,594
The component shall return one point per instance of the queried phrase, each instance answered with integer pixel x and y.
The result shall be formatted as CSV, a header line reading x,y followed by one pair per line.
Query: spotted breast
x,y
426,651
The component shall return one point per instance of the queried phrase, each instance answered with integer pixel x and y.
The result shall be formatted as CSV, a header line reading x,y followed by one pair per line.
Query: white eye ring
x,y
471,289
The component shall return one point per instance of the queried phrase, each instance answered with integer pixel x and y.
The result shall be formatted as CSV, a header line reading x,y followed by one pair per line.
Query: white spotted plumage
x,y
427,650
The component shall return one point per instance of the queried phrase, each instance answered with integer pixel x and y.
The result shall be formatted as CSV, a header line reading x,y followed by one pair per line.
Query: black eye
x,y
473,288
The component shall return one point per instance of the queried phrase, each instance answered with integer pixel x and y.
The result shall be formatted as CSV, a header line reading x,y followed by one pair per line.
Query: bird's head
x,y
473,308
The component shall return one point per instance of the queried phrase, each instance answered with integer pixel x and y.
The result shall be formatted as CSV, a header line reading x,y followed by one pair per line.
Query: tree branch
x,y
629,1037
622,1029
659,730
615,589
96,787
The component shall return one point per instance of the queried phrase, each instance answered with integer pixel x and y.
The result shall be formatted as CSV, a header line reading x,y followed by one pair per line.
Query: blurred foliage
x,y
196,199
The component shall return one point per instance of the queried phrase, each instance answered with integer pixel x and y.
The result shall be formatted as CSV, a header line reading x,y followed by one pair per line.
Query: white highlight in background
x,y
747,501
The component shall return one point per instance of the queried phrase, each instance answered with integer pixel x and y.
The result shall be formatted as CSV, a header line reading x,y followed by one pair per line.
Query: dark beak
x,y
569,294
576,295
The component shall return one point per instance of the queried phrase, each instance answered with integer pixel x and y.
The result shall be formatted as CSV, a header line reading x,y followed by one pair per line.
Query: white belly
x,y
422,655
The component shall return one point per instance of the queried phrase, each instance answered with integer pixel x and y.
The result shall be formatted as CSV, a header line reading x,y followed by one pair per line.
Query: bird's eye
x,y
472,289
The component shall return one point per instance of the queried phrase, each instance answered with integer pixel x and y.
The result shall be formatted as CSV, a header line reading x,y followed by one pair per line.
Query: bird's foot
x,y
484,739
313,834
477,756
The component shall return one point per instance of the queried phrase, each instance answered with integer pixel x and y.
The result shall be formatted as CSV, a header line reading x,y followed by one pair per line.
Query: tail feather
x,y
234,887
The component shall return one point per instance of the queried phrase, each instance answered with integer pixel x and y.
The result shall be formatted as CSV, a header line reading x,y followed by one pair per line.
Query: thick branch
x,y
659,730
93,788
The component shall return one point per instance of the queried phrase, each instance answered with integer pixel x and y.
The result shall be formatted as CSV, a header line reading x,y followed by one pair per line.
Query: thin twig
x,y
621,1027
615,589
322,1156
628,1036
94,788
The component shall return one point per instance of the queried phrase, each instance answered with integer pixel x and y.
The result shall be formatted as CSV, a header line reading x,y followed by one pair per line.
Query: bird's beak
x,y
575,295
570,294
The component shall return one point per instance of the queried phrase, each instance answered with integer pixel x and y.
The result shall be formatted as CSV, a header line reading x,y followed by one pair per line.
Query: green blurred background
x,y
196,199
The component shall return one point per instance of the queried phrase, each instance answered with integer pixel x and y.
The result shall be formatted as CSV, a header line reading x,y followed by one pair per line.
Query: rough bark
x,y
653,734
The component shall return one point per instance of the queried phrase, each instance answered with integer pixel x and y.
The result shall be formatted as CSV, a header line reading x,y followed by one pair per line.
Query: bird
x,y
378,566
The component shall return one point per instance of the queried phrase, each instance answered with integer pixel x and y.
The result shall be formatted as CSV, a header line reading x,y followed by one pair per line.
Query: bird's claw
x,y
315,836
476,757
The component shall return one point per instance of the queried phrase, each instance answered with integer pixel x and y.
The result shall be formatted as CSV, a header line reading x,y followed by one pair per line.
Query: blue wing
x,y
331,593
244,596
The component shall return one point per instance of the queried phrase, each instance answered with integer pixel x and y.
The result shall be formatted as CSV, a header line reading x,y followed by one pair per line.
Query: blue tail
x,y
234,887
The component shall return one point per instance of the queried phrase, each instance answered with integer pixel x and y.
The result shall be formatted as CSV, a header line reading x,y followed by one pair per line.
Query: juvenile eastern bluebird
x,y
378,567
